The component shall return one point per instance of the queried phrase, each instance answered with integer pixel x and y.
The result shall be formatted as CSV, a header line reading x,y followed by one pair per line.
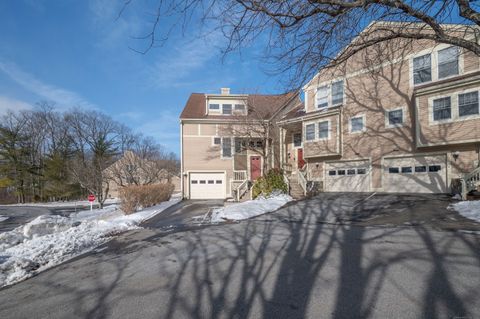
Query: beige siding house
x,y
222,139
402,116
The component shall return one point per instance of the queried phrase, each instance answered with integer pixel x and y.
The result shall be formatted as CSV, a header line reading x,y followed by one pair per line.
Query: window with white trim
x,y
297,139
226,147
217,141
323,130
227,109
214,106
239,107
468,104
395,117
422,69
356,124
322,97
442,109
310,132
448,62
337,92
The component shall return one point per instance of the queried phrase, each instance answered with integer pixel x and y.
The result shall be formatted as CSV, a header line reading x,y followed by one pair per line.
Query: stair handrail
x,y
302,181
239,192
285,179
468,182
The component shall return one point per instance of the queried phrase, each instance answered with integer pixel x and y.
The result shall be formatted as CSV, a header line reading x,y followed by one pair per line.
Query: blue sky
x,y
76,54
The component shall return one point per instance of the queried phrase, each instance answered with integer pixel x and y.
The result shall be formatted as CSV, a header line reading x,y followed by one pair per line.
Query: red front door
x,y
255,167
300,160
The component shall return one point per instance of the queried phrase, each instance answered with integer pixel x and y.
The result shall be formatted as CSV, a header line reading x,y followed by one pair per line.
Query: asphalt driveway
x,y
293,263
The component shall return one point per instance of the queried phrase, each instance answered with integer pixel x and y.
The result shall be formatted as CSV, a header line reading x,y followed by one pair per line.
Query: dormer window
x,y
422,69
337,93
322,97
239,107
447,62
214,107
227,109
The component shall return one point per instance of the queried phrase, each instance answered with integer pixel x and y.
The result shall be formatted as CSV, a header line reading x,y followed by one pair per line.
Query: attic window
x,y
239,107
214,106
227,109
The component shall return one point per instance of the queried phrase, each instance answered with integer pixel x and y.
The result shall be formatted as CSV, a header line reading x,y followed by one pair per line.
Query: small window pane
x,y
341,172
297,139
202,182
194,182
351,172
356,124
310,132
322,97
407,169
420,169
337,93
393,170
442,109
227,109
395,117
323,129
468,104
434,168
448,62
214,106
210,182
239,107
217,140
218,181
332,173
259,143
361,171
422,70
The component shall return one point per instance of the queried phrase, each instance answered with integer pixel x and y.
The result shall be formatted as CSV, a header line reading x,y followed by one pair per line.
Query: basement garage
x,y
207,186
419,174
348,176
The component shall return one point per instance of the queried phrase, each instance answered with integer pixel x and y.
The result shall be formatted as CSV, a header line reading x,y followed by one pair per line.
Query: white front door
x,y
207,186
419,174
351,176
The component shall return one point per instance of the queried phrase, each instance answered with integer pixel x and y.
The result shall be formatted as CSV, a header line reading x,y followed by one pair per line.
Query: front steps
x,y
296,191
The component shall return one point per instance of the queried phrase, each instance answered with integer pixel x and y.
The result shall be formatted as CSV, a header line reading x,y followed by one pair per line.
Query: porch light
x,y
455,155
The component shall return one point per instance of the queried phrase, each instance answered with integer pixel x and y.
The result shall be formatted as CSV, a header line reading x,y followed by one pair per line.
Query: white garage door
x,y
352,176
207,185
425,174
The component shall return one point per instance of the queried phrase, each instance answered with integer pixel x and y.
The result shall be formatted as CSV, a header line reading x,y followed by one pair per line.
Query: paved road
x,y
20,215
269,267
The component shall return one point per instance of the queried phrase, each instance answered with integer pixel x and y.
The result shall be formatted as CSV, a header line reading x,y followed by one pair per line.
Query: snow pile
x,y
468,209
60,204
49,240
3,218
250,208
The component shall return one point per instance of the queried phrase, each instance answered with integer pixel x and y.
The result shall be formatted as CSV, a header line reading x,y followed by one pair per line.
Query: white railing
x,y
302,181
239,175
285,179
241,190
470,181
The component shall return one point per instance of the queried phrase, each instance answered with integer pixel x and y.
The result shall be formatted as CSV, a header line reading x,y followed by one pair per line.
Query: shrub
x,y
135,197
265,185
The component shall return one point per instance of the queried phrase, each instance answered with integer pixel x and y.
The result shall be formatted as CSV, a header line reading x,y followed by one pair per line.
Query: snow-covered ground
x,y
3,218
49,240
250,208
468,209
68,203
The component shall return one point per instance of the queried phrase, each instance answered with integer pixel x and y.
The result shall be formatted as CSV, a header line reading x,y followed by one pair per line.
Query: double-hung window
x,y
297,139
448,62
422,69
310,132
323,130
356,124
442,109
468,104
226,147
214,106
322,97
395,117
337,93
227,109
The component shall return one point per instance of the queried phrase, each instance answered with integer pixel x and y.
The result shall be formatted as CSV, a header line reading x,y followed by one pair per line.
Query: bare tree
x,y
305,36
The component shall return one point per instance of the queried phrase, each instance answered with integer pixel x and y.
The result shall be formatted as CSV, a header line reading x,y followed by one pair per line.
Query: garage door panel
x,y
353,176
428,174
207,185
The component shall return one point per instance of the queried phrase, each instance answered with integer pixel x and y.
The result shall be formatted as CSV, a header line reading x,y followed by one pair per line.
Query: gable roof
x,y
265,104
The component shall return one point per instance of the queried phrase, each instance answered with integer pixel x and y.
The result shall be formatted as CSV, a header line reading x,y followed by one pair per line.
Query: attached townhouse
x,y
401,116
225,142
